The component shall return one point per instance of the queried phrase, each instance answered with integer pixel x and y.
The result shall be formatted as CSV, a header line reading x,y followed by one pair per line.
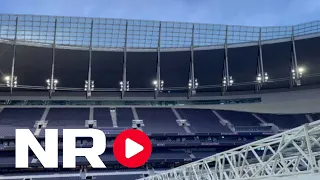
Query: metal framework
x,y
51,88
192,83
262,76
141,35
158,78
295,76
293,152
124,82
89,84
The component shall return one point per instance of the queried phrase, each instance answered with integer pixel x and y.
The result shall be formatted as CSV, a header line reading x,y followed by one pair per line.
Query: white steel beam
x,y
293,152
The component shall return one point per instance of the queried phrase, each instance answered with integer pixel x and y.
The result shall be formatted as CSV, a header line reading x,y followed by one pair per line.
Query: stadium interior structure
x,y
244,98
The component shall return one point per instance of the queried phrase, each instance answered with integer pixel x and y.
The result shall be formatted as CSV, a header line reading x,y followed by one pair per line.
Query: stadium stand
x,y
102,115
203,120
20,117
124,117
158,120
184,105
284,121
71,117
240,118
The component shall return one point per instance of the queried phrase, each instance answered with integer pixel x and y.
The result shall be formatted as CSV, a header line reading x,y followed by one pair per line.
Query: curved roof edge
x,y
138,35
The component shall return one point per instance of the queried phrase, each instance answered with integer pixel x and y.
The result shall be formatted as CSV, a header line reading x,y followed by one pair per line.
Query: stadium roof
x,y
111,33
190,53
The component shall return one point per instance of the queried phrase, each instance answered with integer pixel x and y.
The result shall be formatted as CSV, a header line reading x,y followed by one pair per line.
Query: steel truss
x,y
293,152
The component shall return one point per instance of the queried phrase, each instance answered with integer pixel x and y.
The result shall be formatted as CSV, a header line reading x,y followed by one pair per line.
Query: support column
x,y
295,74
124,75
13,57
158,65
90,83
225,77
192,88
262,77
51,90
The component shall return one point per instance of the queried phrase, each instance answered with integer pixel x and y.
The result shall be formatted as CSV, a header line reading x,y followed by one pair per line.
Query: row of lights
x,y
297,75
227,81
157,86
55,82
196,84
262,79
89,85
125,86
8,81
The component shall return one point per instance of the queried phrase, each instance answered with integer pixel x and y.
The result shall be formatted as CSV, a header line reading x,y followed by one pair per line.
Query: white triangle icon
x,y
132,148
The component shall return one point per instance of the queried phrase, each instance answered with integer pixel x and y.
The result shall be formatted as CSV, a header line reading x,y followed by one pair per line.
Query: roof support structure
x,y
225,75
295,76
14,57
192,88
158,88
51,90
124,75
291,153
260,70
89,82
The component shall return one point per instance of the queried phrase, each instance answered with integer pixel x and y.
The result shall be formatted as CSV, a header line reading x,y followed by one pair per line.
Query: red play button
x,y
132,148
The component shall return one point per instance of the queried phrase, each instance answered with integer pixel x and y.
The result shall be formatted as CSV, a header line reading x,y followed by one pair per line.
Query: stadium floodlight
x,y
298,75
224,81
158,85
8,79
259,78
55,82
227,81
89,86
123,87
300,71
230,81
293,74
266,77
262,79
196,84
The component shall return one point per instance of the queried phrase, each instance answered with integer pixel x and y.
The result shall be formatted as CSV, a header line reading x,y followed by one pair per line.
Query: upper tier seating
x,y
20,117
103,117
159,120
202,120
284,121
67,117
124,117
240,118
156,120
315,116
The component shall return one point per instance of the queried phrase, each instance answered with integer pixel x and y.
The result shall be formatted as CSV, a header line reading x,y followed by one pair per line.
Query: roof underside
x,y
33,67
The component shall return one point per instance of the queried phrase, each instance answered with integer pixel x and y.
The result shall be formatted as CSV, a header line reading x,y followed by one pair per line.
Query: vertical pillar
x,y
158,64
226,64
294,63
13,57
260,69
51,90
89,88
191,72
124,75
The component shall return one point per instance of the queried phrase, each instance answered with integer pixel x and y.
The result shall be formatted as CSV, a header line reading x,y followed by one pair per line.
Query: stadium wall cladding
x,y
33,65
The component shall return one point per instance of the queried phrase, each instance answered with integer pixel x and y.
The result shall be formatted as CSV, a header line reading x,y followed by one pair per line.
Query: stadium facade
x,y
174,81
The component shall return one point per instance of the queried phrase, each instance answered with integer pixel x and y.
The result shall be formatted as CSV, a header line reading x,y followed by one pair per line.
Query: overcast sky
x,y
234,12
